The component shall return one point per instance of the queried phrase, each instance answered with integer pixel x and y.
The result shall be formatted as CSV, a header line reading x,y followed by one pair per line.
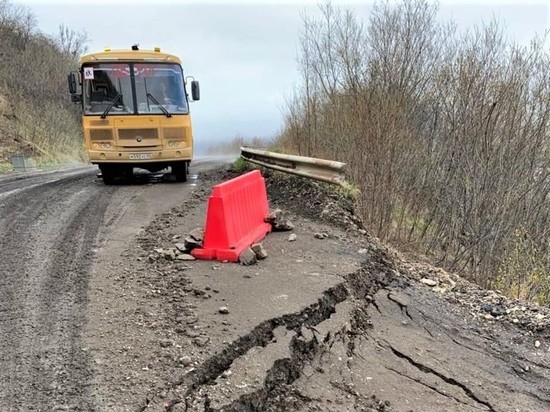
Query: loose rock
x,y
191,243
259,250
278,224
197,234
201,341
185,360
185,256
428,282
223,310
283,226
292,237
247,257
399,298
274,216
192,333
165,343
181,247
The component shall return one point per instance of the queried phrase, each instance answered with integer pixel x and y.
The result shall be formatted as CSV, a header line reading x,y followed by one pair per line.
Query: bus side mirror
x,y
72,82
76,98
195,90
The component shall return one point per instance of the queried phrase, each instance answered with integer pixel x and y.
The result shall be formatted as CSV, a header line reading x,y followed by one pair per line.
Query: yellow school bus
x,y
135,111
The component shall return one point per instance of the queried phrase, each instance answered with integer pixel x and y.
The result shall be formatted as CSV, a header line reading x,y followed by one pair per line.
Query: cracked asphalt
x,y
92,320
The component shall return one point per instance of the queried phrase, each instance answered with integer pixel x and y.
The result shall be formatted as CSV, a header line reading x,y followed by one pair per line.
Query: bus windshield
x,y
155,85
164,82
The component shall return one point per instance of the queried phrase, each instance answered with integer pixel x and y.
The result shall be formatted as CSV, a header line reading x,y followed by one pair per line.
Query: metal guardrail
x,y
319,169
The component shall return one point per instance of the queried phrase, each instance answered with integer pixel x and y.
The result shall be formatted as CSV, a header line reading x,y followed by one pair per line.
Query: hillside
x,y
36,116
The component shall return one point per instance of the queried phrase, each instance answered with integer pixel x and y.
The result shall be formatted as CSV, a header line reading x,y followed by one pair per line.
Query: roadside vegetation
x,y
37,118
445,131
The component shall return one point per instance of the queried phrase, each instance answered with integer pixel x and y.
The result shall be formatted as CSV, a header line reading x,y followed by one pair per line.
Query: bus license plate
x,y
140,156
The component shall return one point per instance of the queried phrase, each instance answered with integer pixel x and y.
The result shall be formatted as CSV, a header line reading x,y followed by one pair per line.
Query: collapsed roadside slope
x,y
335,323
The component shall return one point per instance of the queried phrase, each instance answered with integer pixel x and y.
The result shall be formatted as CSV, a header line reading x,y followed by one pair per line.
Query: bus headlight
x,y
102,145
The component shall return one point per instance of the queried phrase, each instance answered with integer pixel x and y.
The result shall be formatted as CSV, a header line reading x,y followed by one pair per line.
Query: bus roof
x,y
130,55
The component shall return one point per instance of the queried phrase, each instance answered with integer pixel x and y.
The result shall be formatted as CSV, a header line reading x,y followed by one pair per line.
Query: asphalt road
x,y
48,225
89,322
51,224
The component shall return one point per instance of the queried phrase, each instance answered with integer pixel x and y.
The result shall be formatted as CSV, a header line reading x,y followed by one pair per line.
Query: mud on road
x,y
51,226
47,237
93,319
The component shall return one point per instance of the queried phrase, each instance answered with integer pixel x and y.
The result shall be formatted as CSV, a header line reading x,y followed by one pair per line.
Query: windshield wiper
x,y
108,109
166,112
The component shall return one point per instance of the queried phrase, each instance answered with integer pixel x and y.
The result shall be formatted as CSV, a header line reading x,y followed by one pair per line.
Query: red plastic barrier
x,y
235,218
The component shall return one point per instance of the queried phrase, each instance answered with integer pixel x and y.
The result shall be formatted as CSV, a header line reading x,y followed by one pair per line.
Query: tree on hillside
x,y
72,42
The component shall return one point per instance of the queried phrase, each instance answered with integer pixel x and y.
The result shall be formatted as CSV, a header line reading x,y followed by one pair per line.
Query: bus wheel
x,y
127,172
109,175
179,170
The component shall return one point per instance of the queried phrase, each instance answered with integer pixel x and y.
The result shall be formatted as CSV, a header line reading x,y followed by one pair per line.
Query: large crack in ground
x,y
360,287
261,335
447,379
431,387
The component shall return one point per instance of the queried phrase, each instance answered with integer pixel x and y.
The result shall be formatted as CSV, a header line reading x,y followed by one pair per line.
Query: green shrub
x,y
240,165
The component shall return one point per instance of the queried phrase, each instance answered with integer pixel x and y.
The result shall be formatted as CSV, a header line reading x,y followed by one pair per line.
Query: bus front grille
x,y
174,133
137,134
101,134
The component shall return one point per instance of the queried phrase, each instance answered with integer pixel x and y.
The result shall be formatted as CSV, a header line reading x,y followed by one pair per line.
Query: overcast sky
x,y
242,52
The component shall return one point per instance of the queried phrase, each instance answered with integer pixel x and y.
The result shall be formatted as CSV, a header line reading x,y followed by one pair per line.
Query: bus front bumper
x,y
142,156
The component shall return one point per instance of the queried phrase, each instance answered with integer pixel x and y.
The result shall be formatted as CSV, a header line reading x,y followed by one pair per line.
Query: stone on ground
x,y
274,216
191,243
428,282
259,250
197,234
247,257
282,225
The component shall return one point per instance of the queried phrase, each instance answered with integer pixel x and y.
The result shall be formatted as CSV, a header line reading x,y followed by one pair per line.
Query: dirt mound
x,y
314,200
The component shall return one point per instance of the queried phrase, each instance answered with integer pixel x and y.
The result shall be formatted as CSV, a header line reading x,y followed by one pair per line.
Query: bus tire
x,y
109,175
179,170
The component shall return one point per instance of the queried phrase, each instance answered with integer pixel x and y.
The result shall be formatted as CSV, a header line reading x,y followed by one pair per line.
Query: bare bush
x,y
72,42
446,135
